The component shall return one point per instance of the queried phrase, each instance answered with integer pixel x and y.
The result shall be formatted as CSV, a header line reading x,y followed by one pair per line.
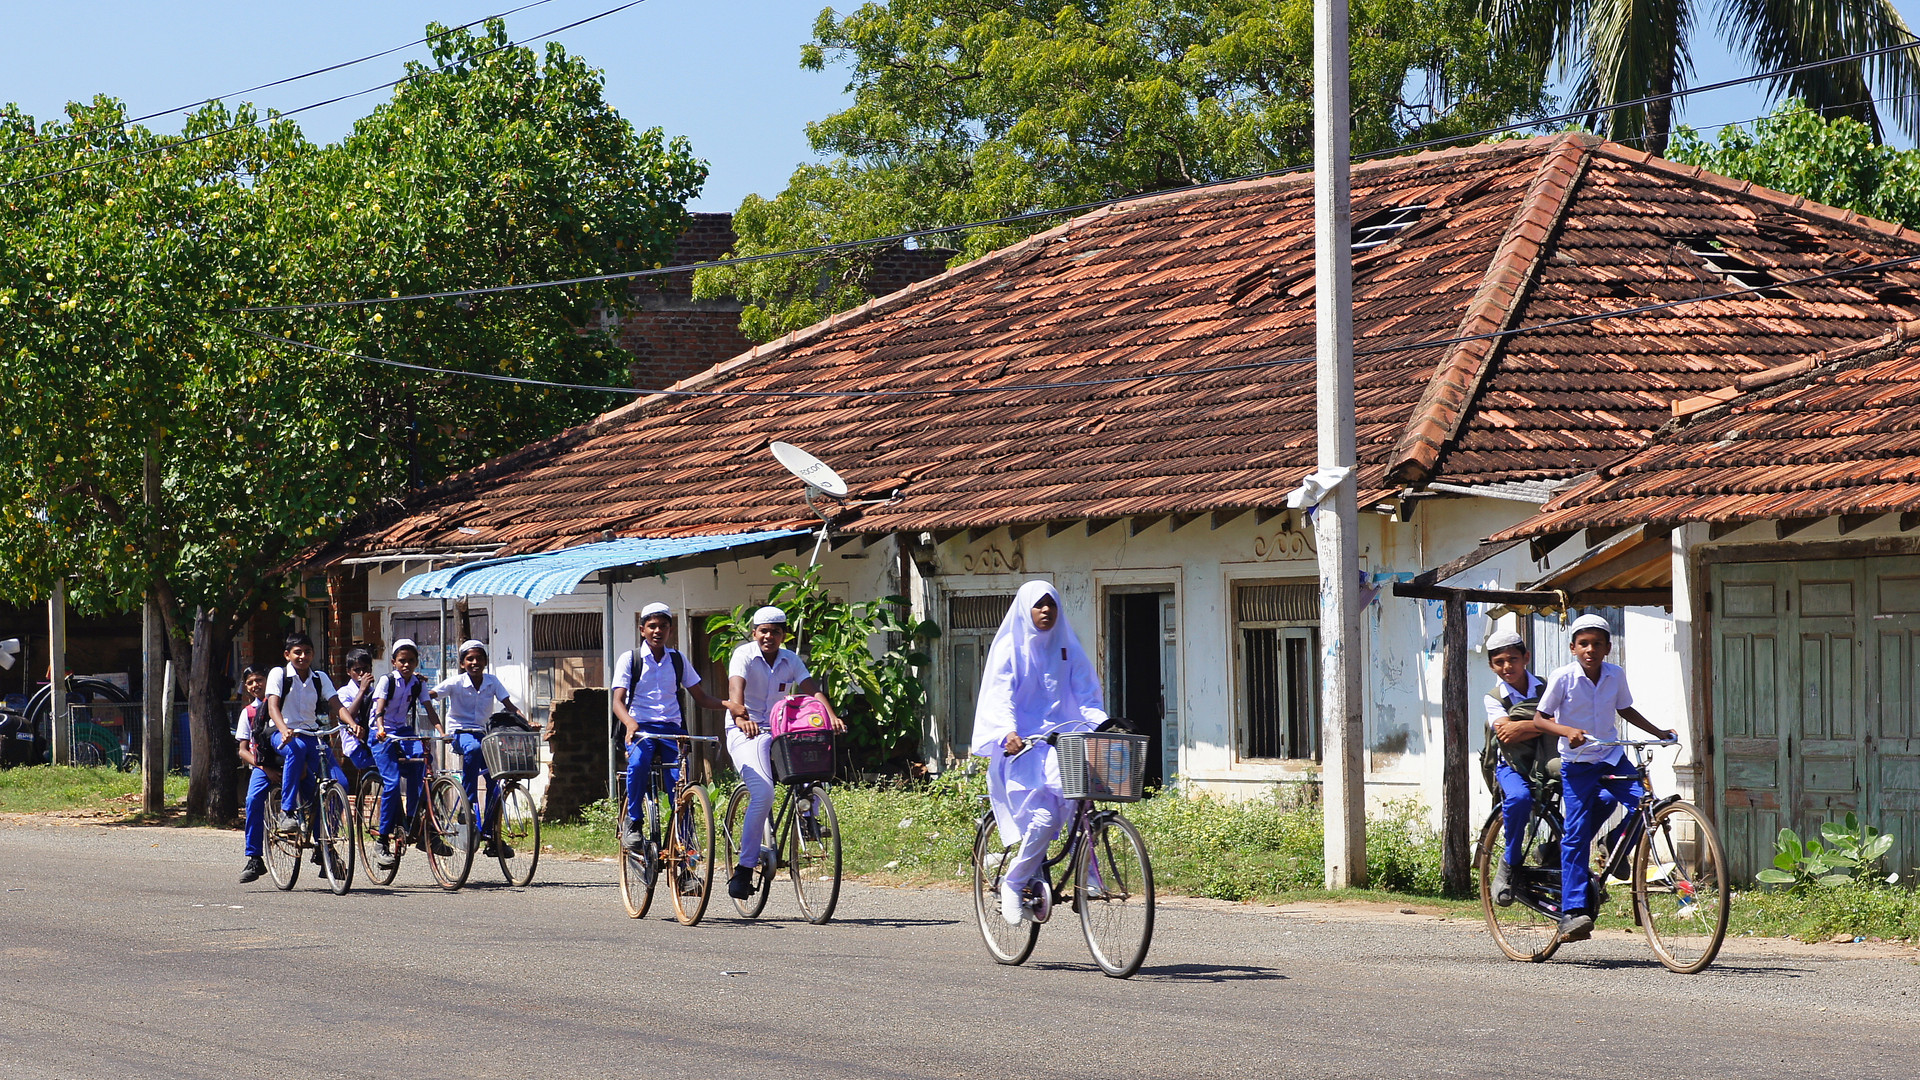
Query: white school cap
x,y
1504,639
655,608
769,615
471,644
403,643
1589,622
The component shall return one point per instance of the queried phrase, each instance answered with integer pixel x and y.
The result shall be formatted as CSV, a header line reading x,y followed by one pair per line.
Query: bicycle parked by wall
x,y
1105,873
675,839
322,824
441,825
802,836
1666,850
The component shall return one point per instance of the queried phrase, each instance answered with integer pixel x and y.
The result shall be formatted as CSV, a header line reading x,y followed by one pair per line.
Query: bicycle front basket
x,y
512,755
1106,765
799,757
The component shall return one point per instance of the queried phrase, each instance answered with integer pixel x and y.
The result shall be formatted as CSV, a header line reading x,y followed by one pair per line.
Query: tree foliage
x,y
1837,162
124,252
966,110
1622,51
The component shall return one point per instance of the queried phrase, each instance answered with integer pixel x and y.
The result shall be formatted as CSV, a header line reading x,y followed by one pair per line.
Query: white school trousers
x,y
752,758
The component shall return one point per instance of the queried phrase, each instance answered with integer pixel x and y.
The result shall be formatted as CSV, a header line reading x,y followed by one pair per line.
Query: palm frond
x,y
1787,33
1634,49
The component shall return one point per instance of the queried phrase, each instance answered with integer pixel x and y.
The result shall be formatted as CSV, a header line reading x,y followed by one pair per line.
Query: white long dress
x,y
1035,683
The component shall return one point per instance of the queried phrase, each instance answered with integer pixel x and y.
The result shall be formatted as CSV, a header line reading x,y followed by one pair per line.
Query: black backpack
x,y
260,735
365,714
1528,758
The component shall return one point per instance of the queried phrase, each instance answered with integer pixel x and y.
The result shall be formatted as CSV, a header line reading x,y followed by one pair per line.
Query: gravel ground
x,y
134,952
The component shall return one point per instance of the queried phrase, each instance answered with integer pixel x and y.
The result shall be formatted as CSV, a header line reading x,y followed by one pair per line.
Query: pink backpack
x,y
799,713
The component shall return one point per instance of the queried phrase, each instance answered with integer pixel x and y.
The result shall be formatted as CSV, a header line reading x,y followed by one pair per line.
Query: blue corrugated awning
x,y
541,577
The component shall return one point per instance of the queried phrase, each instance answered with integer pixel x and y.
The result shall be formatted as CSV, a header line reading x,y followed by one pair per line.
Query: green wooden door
x,y
1817,701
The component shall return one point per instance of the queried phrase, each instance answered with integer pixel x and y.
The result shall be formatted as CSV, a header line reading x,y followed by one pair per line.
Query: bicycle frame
x,y
1626,835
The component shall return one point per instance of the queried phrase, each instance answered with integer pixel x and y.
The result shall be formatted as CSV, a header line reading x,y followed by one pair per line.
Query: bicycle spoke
x,y
1680,888
1527,928
1006,943
1114,892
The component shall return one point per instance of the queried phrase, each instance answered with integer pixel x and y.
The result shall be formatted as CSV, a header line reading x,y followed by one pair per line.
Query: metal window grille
x,y
1279,640
982,612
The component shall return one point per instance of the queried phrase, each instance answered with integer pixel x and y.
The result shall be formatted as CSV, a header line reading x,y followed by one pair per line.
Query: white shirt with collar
x,y
392,698
1498,709
300,699
655,702
469,706
1592,705
766,683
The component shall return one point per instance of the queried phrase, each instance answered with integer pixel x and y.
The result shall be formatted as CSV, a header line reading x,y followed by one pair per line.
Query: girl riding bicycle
x,y
1038,681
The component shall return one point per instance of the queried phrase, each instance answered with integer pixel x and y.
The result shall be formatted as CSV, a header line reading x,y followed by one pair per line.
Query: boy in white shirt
x,y
470,696
1583,703
257,753
396,707
646,699
301,700
758,676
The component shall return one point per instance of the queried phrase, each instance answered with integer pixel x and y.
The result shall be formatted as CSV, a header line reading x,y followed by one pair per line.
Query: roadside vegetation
x,y
99,791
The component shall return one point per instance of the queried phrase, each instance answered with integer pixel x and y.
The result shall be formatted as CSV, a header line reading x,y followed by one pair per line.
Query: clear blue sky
x,y
725,73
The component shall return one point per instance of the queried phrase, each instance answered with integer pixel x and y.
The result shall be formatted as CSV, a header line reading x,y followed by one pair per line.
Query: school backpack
x,y
413,698
798,713
259,733
1528,758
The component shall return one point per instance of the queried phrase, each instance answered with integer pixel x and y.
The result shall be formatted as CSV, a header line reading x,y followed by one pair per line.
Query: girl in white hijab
x,y
1038,681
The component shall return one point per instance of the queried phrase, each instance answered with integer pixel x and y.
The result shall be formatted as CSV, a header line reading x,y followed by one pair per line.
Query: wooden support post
x,y
153,750
61,722
1455,849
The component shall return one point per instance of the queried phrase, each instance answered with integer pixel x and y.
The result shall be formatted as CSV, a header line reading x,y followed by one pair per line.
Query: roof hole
x,y
1732,267
1378,228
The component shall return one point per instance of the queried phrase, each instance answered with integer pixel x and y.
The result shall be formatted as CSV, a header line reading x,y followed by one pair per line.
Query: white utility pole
x,y
1335,522
59,723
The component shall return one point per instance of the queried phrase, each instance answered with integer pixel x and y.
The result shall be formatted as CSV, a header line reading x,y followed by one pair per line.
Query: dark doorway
x,y
1138,643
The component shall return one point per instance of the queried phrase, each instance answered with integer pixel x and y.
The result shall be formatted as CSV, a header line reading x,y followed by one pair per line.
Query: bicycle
x,y
324,822
511,828
681,816
1106,873
806,842
1677,874
441,823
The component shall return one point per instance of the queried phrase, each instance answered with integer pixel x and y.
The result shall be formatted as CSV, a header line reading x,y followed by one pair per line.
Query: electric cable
x,y
83,132
175,144
961,391
1010,219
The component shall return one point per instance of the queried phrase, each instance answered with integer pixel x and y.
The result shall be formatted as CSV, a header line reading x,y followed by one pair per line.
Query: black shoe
x,y
740,885
498,850
440,848
1576,927
315,858
254,868
1503,885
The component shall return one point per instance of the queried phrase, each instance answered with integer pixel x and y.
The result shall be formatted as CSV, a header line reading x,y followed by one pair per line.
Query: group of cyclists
x,y
1039,695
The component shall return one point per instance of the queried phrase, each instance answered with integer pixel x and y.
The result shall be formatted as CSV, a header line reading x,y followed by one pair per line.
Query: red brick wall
x,y
672,336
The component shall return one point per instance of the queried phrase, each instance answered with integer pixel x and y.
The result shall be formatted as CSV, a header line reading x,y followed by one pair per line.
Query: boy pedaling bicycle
x,y
1584,701
646,699
396,710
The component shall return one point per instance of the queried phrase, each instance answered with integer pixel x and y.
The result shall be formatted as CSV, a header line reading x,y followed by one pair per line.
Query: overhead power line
x,y
1011,219
79,133
1253,365
189,140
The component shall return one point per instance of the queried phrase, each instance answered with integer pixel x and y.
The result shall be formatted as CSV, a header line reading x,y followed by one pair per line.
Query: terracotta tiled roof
x,y
1837,436
1154,357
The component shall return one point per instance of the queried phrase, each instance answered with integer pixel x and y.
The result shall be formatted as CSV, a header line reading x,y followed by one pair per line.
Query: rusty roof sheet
x,y
1155,357
1843,437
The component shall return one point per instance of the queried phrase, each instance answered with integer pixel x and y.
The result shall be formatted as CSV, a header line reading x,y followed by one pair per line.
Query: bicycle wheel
x,y
517,834
450,833
1113,888
1006,944
366,806
1524,929
763,874
1680,888
283,846
636,865
815,843
689,855
333,835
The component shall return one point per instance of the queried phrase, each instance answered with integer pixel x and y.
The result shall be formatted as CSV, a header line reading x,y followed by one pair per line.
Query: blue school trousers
x,y
640,754
258,784
473,765
401,781
1589,791
1516,806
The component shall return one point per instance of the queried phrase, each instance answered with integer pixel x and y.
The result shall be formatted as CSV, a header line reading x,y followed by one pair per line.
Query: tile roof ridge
x,y
1456,381
1796,203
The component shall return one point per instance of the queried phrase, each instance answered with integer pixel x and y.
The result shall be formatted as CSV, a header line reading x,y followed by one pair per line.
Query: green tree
x,y
120,349
1619,50
1837,162
967,110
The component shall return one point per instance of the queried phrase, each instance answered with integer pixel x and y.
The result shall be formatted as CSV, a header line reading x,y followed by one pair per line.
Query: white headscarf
x,y
1035,681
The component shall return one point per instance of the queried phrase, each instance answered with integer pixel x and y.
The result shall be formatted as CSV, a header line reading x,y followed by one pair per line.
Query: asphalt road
x,y
133,952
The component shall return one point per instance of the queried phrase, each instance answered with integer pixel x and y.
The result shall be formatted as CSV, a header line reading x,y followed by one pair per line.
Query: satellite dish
x,y
9,649
809,469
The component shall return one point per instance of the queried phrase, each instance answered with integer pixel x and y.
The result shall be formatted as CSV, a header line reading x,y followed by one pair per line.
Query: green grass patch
x,y
102,790
1824,912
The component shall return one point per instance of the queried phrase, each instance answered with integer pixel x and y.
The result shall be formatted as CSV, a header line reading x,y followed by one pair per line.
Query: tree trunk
x,y
212,786
1660,113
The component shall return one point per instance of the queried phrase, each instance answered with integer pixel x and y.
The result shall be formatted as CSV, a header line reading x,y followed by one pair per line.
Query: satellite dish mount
x,y
819,478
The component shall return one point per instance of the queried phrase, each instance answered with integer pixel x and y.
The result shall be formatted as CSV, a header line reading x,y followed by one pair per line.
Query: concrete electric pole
x,y
59,723
1335,521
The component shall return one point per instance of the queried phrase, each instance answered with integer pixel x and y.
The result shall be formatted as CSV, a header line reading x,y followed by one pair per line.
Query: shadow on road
x,y
1205,973
1719,969
899,924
